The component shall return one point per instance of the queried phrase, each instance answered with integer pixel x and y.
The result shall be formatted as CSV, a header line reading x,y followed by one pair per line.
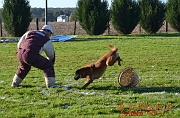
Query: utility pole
x,y
46,13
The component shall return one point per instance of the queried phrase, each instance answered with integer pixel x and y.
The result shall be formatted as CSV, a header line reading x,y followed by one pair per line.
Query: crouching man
x,y
29,49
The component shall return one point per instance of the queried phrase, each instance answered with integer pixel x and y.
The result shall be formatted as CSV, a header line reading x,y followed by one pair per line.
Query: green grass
x,y
155,58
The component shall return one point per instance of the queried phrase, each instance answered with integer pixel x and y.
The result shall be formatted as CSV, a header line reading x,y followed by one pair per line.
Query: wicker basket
x,y
128,78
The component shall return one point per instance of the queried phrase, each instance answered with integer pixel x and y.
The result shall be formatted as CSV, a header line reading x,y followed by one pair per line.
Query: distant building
x,y
62,18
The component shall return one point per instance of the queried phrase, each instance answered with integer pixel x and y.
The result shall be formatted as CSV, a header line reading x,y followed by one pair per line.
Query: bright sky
x,y
54,3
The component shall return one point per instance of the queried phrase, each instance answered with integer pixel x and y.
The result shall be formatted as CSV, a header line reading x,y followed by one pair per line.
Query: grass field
x,y
155,58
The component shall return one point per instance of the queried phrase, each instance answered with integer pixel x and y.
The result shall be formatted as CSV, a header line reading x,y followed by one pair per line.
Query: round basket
x,y
128,78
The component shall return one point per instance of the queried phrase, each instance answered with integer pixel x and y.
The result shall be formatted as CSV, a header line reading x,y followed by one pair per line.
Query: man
x,y
29,47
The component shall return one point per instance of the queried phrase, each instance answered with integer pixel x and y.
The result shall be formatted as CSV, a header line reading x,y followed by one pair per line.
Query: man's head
x,y
48,29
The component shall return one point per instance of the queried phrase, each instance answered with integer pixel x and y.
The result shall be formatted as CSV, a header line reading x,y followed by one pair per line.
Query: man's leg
x,y
16,81
48,68
50,82
21,73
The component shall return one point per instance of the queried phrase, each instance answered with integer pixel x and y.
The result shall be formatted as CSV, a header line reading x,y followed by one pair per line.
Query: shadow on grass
x,y
140,89
160,35
155,89
97,88
89,39
103,88
27,86
130,36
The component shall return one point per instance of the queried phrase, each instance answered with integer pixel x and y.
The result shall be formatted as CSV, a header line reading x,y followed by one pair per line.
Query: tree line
x,y
52,13
95,15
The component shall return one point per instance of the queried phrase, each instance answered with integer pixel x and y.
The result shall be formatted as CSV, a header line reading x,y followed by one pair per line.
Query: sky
x,y
54,3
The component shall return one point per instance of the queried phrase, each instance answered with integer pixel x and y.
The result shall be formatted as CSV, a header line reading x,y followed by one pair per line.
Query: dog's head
x,y
113,58
77,74
82,72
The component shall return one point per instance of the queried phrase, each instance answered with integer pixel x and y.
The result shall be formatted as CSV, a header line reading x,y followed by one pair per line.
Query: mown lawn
x,y
155,58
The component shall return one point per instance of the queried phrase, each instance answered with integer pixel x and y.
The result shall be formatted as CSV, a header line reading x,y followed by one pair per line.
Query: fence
x,y
68,28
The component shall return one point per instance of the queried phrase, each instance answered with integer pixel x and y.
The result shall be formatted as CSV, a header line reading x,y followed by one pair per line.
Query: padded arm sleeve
x,y
49,50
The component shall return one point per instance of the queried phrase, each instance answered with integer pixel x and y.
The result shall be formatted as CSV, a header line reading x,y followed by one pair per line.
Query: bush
x,y
125,15
173,14
16,16
152,15
93,16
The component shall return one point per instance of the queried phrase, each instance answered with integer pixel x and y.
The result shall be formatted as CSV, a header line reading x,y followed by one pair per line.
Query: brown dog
x,y
96,70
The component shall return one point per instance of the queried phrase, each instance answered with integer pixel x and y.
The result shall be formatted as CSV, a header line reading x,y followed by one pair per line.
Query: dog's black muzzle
x,y
76,77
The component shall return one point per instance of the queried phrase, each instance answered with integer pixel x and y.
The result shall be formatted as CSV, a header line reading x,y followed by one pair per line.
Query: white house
x,y
62,18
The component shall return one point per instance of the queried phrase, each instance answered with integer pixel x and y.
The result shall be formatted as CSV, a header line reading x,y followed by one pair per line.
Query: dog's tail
x,y
112,47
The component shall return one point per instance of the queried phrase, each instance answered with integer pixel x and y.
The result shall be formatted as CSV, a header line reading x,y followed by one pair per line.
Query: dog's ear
x,y
114,49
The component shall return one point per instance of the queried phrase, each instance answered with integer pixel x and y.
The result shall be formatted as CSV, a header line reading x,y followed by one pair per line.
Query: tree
x,y
72,16
37,13
125,15
0,14
16,16
152,15
173,14
93,16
